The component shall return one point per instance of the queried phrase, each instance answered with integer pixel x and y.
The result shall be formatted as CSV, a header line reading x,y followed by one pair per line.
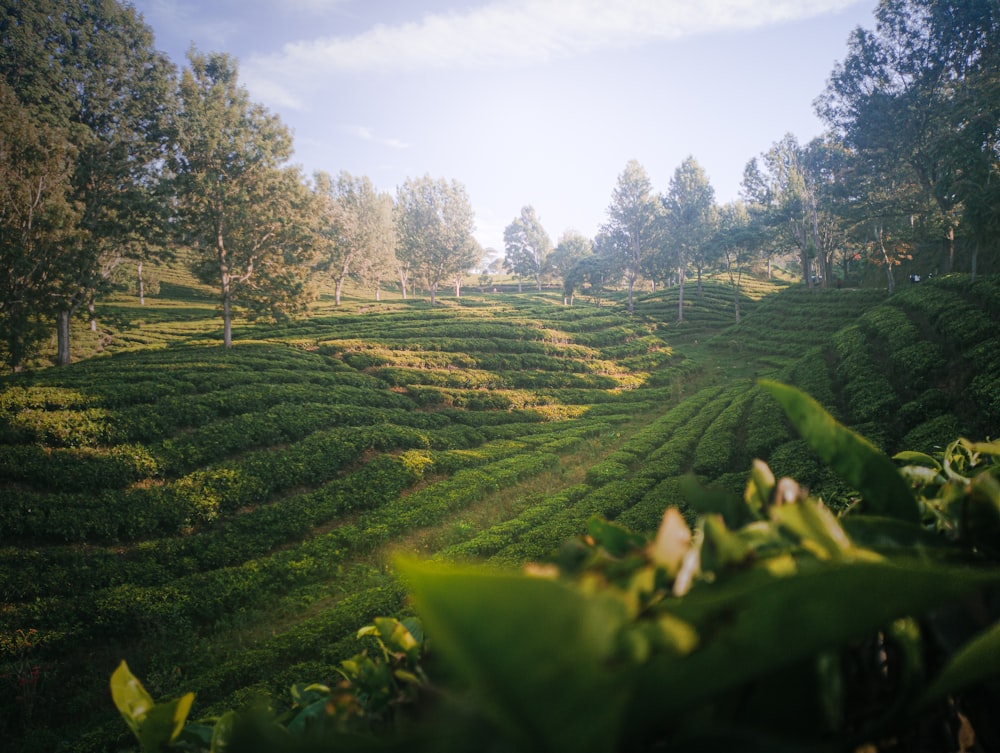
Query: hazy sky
x,y
538,102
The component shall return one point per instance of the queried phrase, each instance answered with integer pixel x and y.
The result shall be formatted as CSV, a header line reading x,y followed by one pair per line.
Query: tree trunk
x,y
888,262
402,283
62,337
378,293
950,235
227,324
220,250
538,279
336,290
93,319
142,285
680,295
458,287
734,280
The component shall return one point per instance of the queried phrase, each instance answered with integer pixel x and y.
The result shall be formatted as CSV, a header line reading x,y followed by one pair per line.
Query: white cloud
x,y
528,31
367,134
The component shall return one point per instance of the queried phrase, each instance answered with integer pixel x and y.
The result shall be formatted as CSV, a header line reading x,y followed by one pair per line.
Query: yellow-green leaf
x,y
852,456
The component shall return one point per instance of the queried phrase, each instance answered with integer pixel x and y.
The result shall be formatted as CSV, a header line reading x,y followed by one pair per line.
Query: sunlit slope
x,y
224,520
155,502
911,371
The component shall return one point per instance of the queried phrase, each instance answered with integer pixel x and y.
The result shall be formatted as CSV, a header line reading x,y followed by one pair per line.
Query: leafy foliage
x,y
634,643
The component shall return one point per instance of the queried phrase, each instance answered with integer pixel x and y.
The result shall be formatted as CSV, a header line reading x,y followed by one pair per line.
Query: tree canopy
x,y
633,228
434,223
238,205
527,246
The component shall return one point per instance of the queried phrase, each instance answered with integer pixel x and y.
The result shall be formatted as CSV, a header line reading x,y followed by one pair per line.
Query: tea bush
x,y
641,648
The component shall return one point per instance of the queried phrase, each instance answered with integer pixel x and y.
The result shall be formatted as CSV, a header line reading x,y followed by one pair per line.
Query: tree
x,y
893,98
380,263
238,207
972,143
90,69
527,246
633,227
355,227
434,225
600,269
38,222
571,249
733,241
784,191
880,214
690,220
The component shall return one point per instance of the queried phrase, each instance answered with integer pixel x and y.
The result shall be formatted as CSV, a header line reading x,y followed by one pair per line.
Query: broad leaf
x,y
154,724
537,651
852,456
164,723
130,697
706,499
755,623
978,660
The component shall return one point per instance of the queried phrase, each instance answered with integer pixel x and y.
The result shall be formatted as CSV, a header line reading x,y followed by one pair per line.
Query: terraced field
x,y
224,520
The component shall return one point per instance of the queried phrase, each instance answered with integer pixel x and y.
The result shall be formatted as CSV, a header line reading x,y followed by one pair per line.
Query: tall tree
x,y
434,225
355,226
973,141
778,186
733,241
633,226
690,220
380,263
893,97
38,222
598,270
238,206
571,249
527,246
882,213
91,70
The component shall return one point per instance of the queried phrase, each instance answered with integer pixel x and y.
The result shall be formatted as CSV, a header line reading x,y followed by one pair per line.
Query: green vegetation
x,y
228,520
811,618
225,520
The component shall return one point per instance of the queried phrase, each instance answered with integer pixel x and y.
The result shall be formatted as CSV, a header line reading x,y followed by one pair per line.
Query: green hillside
x,y
225,520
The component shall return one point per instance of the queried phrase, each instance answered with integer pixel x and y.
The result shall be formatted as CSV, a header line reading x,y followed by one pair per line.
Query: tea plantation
x,y
224,521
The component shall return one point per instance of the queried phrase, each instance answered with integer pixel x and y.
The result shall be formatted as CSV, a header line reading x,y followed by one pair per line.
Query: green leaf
x,y
164,722
760,487
617,540
705,499
223,732
154,724
978,660
815,526
754,623
537,651
852,456
917,458
131,699
890,534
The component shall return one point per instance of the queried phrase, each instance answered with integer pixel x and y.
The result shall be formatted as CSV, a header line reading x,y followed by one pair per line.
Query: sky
x,y
526,102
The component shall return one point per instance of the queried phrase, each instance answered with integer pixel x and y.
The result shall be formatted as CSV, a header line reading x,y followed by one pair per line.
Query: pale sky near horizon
x,y
539,102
